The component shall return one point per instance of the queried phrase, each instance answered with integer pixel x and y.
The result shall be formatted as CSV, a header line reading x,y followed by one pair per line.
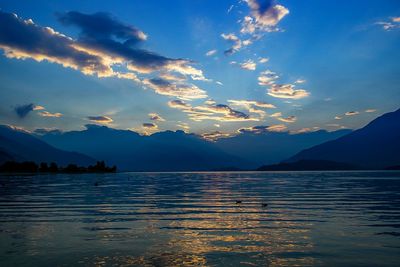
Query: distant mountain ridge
x,y
163,151
375,146
180,151
273,147
16,145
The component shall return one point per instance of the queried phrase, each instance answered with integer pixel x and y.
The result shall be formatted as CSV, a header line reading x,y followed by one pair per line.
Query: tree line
x,y
44,167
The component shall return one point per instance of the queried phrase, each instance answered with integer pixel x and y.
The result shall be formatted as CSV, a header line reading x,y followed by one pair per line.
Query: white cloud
x,y
248,65
102,56
211,111
48,114
262,129
300,81
267,78
289,119
156,117
100,119
262,18
306,130
236,43
213,136
287,91
352,113
185,91
391,24
211,52
276,115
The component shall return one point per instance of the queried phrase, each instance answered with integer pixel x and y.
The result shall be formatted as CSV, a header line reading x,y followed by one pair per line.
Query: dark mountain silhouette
x,y
16,145
273,147
179,151
308,165
163,151
376,146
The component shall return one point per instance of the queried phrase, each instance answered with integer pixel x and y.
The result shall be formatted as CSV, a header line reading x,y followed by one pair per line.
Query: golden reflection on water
x,y
222,226
190,220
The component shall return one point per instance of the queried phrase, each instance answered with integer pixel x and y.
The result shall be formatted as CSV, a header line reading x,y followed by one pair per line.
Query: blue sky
x,y
293,65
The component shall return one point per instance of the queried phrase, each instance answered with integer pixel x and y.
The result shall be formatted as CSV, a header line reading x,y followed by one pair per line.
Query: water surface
x,y
175,219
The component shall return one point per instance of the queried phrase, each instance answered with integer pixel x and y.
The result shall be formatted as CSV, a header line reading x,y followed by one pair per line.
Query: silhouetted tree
x,y
53,167
43,167
31,167
26,166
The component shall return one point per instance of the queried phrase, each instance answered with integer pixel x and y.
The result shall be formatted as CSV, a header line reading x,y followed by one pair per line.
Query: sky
x,y
202,66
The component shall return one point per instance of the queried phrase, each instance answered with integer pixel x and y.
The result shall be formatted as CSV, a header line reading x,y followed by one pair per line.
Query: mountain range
x,y
17,145
374,146
180,151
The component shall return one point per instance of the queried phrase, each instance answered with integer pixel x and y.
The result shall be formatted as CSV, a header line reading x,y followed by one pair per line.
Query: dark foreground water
x,y
180,219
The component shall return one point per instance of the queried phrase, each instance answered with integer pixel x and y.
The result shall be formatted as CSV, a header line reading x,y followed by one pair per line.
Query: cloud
x,y
155,117
287,91
185,126
277,128
213,136
211,111
263,129
179,104
24,39
38,108
352,113
103,34
172,77
248,65
103,47
23,110
149,128
267,78
100,119
102,25
247,103
150,125
264,16
252,106
335,125
185,91
236,43
211,52
370,110
305,130
276,115
263,60
391,24
48,114
300,81
289,119
219,83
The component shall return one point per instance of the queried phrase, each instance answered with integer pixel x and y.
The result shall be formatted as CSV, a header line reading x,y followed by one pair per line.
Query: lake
x,y
201,219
